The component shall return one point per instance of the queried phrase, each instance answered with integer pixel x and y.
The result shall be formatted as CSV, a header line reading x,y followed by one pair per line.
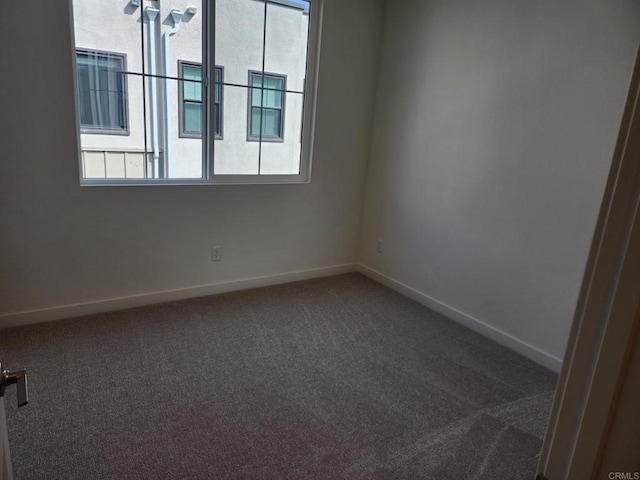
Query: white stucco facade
x,y
239,35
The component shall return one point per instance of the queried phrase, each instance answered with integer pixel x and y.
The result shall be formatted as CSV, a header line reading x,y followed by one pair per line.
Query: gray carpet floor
x,y
333,378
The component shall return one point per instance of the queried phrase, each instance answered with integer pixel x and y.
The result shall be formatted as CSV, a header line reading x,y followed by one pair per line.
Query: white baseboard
x,y
121,303
533,353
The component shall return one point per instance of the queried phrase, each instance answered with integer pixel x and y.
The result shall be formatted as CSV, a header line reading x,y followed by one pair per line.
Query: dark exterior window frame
x,y
181,101
125,95
263,138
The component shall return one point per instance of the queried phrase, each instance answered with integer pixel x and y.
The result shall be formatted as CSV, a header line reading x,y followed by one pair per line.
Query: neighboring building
x,y
129,122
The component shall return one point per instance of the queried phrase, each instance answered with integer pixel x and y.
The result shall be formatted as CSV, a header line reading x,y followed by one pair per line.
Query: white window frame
x,y
208,153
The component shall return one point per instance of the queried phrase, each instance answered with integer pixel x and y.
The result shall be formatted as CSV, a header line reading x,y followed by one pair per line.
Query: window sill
x,y
266,139
104,131
217,180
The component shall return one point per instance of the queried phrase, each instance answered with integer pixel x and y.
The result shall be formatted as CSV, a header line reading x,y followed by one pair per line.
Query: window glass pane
x,y
274,83
108,26
101,91
271,122
234,155
255,121
114,153
283,157
286,42
256,80
185,44
149,117
256,93
192,90
192,98
176,155
216,119
217,86
84,94
192,117
272,98
192,72
99,60
239,34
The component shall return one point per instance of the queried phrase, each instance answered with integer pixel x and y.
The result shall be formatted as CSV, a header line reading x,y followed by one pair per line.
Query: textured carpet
x,y
337,377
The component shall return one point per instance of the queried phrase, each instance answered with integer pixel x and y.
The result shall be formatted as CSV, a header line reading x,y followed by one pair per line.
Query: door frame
x,y
603,324
6,472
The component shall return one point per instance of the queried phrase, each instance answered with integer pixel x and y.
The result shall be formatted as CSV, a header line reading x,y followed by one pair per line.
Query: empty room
x,y
320,239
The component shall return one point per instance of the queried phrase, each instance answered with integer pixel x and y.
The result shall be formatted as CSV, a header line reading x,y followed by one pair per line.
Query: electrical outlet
x,y
379,245
216,254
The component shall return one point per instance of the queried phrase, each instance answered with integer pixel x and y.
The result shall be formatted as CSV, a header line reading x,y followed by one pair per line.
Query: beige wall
x,y
494,130
63,244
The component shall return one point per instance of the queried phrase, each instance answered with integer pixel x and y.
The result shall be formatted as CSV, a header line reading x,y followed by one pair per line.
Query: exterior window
x,y
269,116
191,101
102,94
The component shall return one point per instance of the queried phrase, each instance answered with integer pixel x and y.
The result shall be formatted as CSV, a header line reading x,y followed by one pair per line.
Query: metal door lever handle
x,y
19,377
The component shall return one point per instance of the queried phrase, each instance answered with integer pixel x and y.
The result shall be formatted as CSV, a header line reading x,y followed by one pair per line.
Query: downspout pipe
x,y
152,14
176,16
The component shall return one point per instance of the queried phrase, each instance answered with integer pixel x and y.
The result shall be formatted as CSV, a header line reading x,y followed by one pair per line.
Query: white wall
x,y
494,129
63,244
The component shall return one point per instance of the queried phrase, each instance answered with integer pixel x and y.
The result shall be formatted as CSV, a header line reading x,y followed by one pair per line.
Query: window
x,y
101,92
174,114
271,96
191,101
